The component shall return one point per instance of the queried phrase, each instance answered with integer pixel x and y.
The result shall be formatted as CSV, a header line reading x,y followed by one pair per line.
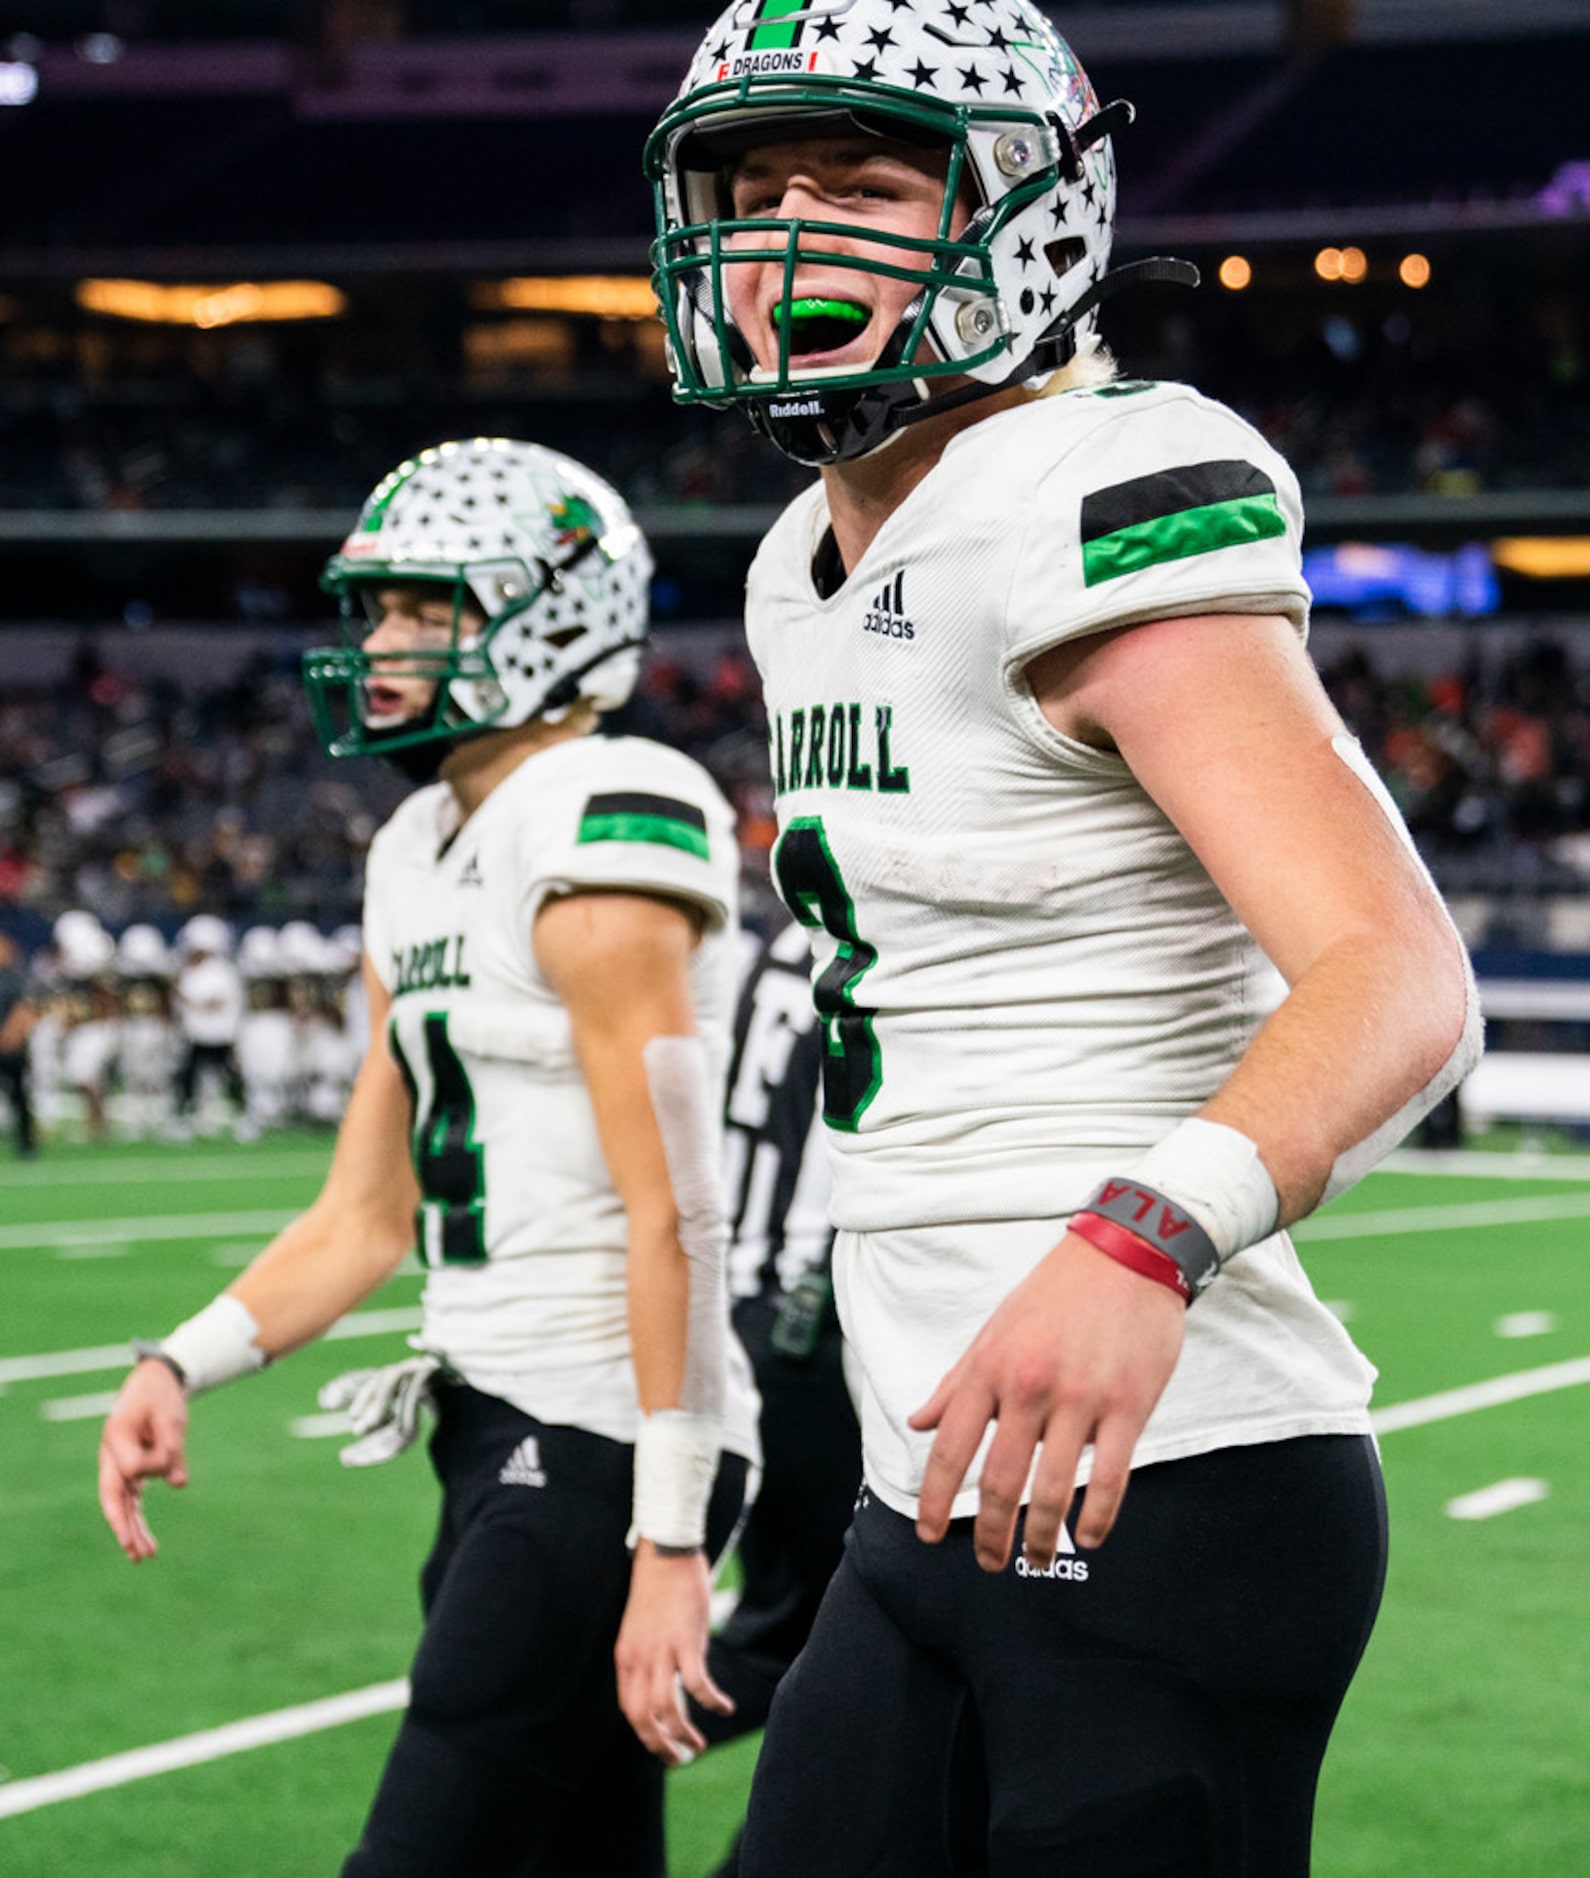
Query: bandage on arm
x,y
676,1449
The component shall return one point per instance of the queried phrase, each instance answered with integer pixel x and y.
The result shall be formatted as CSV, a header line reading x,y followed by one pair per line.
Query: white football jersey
x,y
1025,974
520,1225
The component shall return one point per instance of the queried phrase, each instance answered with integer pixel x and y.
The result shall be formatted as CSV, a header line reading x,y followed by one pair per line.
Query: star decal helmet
x,y
991,83
542,547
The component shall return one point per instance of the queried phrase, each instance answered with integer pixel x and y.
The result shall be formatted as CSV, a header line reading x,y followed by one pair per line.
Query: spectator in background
x,y
18,1015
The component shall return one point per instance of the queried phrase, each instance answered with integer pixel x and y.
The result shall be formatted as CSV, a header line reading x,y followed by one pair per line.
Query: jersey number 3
x,y
812,889
448,1161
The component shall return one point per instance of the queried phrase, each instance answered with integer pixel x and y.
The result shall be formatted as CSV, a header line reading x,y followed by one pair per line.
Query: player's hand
x,y
142,1440
662,1652
1080,1351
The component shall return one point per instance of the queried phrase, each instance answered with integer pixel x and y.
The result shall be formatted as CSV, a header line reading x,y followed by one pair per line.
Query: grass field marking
x,y
1476,1163
127,1171
78,1408
1462,1216
317,1427
141,1230
119,1355
1480,1395
212,1744
1526,1324
1505,1496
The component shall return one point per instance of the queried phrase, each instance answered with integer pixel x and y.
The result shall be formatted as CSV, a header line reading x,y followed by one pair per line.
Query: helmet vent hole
x,y
1064,255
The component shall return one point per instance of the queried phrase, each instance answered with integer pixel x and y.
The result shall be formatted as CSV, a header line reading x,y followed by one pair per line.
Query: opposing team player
x,y
549,959
1054,775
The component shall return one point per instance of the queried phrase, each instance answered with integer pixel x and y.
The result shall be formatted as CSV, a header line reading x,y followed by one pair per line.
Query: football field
x,y
224,1708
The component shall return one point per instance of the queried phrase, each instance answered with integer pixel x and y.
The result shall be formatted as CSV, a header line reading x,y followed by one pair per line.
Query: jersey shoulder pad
x,y
636,814
1158,503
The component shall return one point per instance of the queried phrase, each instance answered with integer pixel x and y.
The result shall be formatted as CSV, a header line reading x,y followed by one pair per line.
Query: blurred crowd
x,y
143,800
181,868
1367,392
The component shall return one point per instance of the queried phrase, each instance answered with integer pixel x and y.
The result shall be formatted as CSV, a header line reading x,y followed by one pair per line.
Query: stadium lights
x,y
1414,271
1235,272
1346,264
208,307
1544,557
19,82
601,296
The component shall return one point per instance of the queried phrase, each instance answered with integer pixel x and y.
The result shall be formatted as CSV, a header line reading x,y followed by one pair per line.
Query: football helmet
x,y
544,549
206,933
991,84
141,952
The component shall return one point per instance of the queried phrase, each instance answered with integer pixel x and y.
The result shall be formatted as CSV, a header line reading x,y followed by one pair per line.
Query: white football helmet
x,y
205,932
545,549
259,953
142,953
988,81
82,945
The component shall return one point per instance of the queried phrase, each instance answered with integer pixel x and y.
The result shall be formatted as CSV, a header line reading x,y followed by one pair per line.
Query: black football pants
x,y
514,1759
1157,1708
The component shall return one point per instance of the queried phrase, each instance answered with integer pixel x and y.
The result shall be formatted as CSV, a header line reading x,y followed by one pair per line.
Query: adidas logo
x,y
523,1467
1066,1563
885,612
471,875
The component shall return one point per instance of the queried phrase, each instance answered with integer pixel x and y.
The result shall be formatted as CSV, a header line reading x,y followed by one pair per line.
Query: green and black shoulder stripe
x,y
633,815
1192,509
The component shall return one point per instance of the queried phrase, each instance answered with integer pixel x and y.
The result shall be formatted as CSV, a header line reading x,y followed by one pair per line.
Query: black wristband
x,y
1160,1223
146,1352
675,1551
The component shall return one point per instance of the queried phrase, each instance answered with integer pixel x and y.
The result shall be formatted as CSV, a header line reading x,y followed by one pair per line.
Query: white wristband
x,y
676,1462
1215,1173
217,1345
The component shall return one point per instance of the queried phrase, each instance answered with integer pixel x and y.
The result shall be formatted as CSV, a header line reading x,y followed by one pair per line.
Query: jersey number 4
x,y
812,889
448,1161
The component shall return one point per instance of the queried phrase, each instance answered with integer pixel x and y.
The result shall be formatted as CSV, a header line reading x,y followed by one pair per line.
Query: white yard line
x,y
1481,1395
118,1355
79,1408
259,1731
1461,1216
24,1796
142,1229
1506,1496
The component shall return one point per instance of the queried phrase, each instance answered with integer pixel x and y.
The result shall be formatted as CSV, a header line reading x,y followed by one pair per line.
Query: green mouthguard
x,y
812,309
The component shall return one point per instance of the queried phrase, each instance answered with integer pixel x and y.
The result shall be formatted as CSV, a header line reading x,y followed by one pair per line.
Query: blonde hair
x,y
1094,364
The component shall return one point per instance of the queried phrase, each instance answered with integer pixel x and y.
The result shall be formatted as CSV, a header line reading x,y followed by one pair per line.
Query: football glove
x,y
385,1406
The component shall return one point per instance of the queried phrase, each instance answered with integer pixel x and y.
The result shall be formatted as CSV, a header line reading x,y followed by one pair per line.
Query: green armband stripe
x,y
634,816
1175,537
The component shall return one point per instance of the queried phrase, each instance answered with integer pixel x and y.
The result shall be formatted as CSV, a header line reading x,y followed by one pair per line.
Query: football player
x,y
1054,775
549,933
209,1003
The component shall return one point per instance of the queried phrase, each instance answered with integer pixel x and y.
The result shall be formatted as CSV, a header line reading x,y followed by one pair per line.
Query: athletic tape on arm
x,y
1353,1163
676,1450
216,1345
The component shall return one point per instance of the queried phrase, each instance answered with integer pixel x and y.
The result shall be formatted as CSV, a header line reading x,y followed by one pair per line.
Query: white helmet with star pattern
x,y
988,81
546,551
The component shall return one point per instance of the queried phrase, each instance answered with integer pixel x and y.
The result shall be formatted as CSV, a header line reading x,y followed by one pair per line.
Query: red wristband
x,y
1126,1248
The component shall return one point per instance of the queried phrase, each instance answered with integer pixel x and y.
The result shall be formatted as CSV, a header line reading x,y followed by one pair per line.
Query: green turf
x,y
284,1578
